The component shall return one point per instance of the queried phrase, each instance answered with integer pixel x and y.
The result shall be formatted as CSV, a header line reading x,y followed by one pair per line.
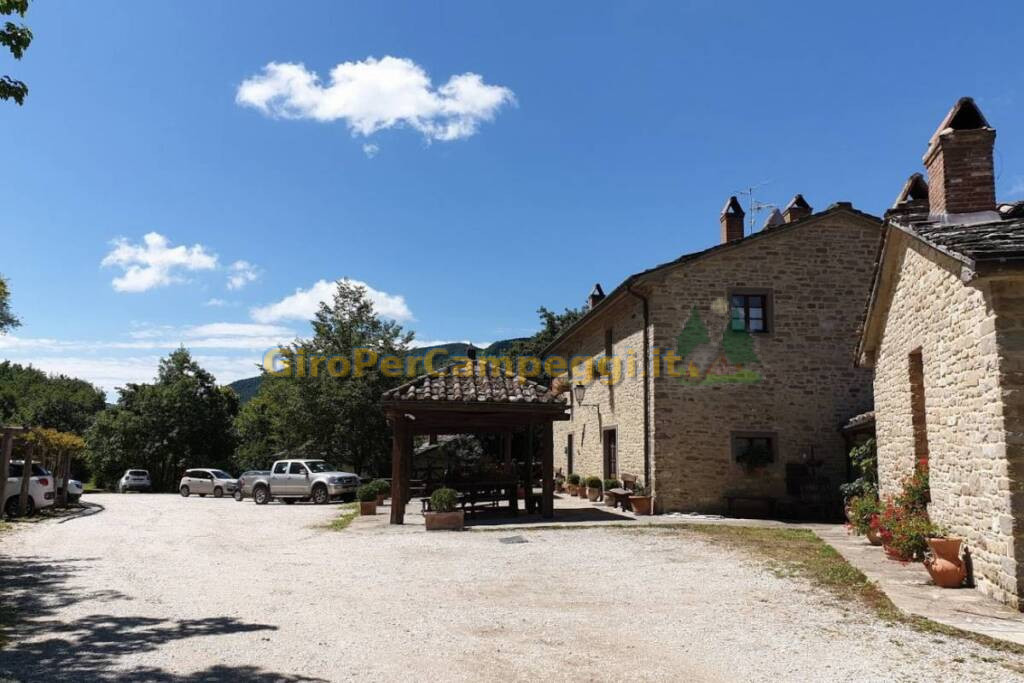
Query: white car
x,y
75,489
40,488
204,481
134,480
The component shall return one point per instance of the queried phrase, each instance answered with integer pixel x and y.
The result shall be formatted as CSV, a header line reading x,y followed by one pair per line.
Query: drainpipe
x,y
647,387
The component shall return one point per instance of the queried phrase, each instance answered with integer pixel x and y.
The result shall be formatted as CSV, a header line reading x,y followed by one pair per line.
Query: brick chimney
x,y
796,209
732,220
961,178
912,202
596,295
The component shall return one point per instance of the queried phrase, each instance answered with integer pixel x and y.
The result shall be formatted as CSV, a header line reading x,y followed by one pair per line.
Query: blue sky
x,y
594,141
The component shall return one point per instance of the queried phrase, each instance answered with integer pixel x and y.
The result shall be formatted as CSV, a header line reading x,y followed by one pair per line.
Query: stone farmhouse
x,y
944,333
750,347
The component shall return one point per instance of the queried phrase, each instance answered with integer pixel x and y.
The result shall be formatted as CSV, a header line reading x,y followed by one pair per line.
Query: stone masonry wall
x,y
954,327
607,406
818,275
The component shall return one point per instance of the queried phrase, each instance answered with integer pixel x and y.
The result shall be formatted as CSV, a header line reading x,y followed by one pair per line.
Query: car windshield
x,y
138,473
221,474
318,466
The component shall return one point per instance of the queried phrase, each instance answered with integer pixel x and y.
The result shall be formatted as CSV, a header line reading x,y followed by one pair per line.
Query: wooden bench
x,y
623,493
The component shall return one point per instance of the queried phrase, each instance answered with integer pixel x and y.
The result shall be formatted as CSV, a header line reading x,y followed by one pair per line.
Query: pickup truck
x,y
292,480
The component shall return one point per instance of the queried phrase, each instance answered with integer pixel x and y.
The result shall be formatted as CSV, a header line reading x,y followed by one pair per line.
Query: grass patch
x,y
800,553
349,511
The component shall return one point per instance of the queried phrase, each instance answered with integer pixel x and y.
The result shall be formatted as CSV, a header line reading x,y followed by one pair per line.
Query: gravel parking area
x,y
157,587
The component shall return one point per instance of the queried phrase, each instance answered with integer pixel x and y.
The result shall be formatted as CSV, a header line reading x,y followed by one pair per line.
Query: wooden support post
x,y
408,443
513,497
528,479
547,463
5,459
398,492
26,475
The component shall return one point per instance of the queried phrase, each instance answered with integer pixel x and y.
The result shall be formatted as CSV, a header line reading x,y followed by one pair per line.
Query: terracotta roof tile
x,y
486,384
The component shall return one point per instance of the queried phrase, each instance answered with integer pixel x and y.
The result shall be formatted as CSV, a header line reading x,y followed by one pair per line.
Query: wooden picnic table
x,y
473,493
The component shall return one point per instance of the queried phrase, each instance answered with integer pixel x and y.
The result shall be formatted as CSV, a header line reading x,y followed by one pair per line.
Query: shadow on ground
x,y
36,645
497,516
72,512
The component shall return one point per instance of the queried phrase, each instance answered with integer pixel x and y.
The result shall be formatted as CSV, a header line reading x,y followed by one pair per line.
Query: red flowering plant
x,y
904,526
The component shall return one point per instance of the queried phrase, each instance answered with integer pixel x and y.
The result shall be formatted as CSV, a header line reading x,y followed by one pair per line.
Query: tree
x,y
15,38
31,397
8,321
335,418
180,421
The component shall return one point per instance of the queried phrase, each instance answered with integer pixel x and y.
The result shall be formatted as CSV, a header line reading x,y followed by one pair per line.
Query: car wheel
x,y
261,495
184,491
11,507
30,507
218,492
320,495
288,501
238,496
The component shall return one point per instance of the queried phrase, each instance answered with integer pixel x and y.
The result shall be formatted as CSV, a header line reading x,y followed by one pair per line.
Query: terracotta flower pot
x,y
582,493
367,507
593,493
445,521
571,489
874,537
641,504
946,568
380,499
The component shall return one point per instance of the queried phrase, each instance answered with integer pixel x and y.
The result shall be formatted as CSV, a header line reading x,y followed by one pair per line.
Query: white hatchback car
x,y
204,481
40,488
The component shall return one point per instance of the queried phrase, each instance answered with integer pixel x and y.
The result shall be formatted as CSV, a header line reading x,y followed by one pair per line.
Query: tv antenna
x,y
754,207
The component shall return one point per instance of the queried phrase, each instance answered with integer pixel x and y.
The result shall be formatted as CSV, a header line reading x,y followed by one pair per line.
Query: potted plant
x,y
640,500
367,495
905,533
443,516
582,491
610,498
574,484
944,564
383,489
593,488
862,510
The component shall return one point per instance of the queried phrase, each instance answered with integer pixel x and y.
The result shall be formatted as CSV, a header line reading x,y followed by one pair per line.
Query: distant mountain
x,y
249,387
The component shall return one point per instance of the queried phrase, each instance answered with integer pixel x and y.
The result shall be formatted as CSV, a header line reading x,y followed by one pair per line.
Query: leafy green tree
x,y
180,421
16,38
338,419
693,334
8,321
29,396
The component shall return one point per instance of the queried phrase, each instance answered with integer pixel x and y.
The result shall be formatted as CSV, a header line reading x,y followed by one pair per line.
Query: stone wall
x,y
607,405
953,325
818,274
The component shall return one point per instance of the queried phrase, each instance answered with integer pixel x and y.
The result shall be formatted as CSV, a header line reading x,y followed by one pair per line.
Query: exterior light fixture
x,y
578,392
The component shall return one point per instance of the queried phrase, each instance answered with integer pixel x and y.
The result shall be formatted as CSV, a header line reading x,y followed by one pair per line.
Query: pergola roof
x,y
473,382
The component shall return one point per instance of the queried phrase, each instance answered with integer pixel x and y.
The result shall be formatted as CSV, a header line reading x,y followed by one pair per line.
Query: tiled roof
x,y
858,420
486,384
991,240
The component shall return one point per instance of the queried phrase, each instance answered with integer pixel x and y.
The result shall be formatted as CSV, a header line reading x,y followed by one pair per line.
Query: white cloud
x,y
242,273
154,263
304,303
247,336
216,303
373,95
370,150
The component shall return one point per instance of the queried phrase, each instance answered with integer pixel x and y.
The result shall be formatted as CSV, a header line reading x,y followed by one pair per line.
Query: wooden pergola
x,y
471,397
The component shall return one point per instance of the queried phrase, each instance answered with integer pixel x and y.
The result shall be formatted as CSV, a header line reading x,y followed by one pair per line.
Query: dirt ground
x,y
157,587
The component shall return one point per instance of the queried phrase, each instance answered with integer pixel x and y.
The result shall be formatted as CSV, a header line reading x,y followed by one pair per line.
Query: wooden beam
x,y
26,475
528,500
547,463
398,429
5,459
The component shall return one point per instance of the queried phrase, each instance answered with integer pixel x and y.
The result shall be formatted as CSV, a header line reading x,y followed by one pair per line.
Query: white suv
x,y
40,488
134,480
203,481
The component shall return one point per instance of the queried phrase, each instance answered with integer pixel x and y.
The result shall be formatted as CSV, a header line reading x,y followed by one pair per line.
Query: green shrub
x,y
574,479
862,509
366,493
639,489
612,484
444,500
594,482
381,486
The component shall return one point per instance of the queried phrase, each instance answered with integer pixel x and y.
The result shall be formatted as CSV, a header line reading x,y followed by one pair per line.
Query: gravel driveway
x,y
157,587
